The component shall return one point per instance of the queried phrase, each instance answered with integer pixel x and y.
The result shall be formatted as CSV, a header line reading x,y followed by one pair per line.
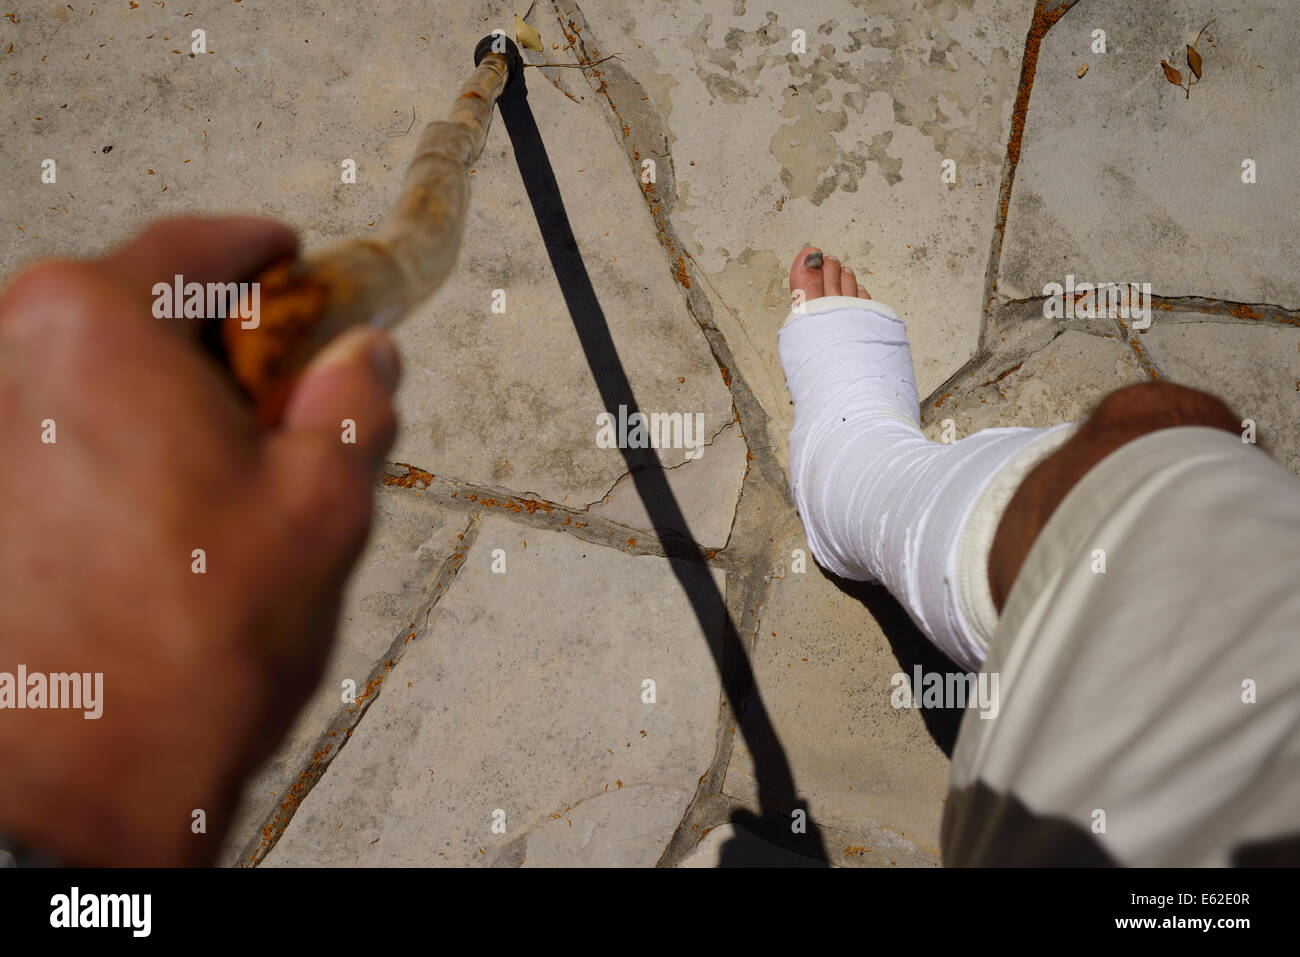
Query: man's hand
x,y
155,455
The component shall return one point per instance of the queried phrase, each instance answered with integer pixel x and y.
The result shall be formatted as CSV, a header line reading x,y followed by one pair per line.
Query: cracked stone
x,y
1255,369
622,827
1123,177
706,490
526,696
1061,382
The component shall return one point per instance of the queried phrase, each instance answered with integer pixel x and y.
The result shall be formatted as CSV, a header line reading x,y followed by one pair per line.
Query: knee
x,y
1149,406
1121,416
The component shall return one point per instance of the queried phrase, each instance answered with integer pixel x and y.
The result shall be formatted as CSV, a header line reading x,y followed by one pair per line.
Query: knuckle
x,y
52,297
39,283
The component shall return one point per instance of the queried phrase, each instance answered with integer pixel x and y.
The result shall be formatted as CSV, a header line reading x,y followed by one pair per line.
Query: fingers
x,y
198,249
338,426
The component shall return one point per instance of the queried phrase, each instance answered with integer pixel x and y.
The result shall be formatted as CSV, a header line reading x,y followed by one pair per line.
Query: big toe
x,y
806,275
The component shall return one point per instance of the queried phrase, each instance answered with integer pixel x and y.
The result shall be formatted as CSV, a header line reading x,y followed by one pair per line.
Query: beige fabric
x,y
1122,692
974,597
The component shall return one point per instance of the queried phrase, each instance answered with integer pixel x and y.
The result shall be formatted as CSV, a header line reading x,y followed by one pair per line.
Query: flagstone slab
x,y
1062,382
842,146
1123,176
705,490
825,669
1255,369
526,697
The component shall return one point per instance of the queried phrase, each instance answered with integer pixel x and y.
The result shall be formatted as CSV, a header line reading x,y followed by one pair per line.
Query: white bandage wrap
x,y
879,501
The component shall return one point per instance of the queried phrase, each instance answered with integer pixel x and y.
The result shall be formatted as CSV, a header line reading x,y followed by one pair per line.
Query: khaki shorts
x,y
1149,672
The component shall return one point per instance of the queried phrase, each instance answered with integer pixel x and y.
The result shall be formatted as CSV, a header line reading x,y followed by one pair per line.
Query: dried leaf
x,y
527,37
1083,68
1194,61
1172,74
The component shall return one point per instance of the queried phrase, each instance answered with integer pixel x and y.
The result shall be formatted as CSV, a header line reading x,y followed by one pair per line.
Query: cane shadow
x,y
777,793
910,648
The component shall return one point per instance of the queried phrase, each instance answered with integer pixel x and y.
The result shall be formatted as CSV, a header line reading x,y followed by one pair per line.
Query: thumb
x,y
320,464
338,422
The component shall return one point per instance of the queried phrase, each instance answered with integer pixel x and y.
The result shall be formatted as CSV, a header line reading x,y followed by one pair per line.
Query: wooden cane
x,y
376,279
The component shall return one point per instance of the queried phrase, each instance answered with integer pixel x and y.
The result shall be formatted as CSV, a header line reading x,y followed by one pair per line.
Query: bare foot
x,y
816,275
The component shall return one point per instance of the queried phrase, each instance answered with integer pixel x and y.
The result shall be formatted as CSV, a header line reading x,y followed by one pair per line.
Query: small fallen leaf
x,y
1194,61
1083,68
528,38
1172,74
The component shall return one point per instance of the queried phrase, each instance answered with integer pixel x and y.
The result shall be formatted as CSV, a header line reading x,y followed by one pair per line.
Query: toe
x,y
859,290
848,282
830,276
806,277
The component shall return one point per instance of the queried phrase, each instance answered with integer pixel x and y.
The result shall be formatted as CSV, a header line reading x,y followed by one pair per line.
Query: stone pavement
x,y
515,599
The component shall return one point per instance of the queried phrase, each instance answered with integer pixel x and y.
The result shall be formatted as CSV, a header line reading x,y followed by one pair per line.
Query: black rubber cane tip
x,y
511,51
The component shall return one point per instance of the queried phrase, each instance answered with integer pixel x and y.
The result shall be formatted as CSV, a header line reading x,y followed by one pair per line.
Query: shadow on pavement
x,y
772,769
911,648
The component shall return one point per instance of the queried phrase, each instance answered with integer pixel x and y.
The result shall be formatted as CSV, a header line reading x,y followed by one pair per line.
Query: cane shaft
x,y
374,279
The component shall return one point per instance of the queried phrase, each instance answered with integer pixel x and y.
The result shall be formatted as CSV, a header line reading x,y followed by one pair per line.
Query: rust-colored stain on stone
x,y
1142,358
1045,16
529,505
1008,372
415,478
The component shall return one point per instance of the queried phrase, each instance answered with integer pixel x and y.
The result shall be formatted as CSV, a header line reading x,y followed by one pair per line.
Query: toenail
x,y
813,260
